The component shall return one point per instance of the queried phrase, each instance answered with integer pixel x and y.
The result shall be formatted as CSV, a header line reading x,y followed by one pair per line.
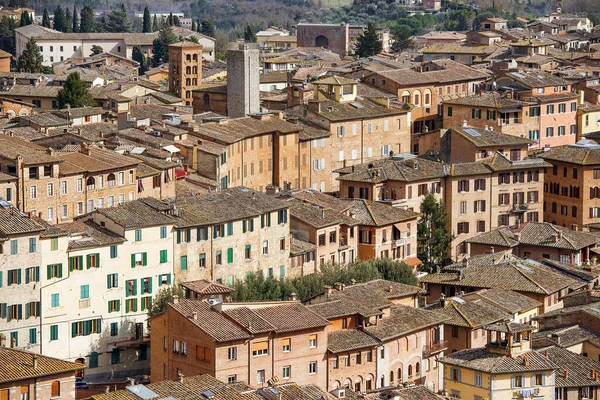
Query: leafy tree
x,y
88,22
433,238
249,34
138,55
118,21
208,28
402,39
155,26
59,19
75,23
96,50
147,25
162,299
31,59
74,93
368,43
161,45
68,21
46,19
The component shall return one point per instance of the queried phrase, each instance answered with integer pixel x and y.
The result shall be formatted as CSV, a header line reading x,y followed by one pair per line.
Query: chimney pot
x,y
566,373
195,315
175,299
35,361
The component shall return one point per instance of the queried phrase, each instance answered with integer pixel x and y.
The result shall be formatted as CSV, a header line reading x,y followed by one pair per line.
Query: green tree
x,y
118,21
46,19
162,299
7,34
161,45
433,238
74,93
147,25
155,25
31,58
402,39
249,34
194,27
59,19
176,21
368,43
68,21
75,24
208,28
96,50
170,19
88,22
25,19
138,55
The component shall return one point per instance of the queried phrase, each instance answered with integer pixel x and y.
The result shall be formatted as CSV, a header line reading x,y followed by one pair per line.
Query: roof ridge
x,y
530,279
462,315
370,212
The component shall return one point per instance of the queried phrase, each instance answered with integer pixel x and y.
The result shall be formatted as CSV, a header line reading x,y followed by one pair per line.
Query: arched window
x,y
417,101
410,371
55,392
188,57
111,179
188,94
188,82
194,70
391,377
188,70
417,368
194,81
400,374
195,57
574,211
91,183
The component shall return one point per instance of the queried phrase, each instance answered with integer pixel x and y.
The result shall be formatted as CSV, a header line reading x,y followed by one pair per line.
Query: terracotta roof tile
x,y
17,365
404,320
350,339
480,359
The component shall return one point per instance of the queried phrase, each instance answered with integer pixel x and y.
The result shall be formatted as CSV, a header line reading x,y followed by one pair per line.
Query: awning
x,y
171,149
412,262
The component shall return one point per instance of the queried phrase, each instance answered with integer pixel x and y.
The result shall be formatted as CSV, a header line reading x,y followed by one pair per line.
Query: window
x,y
55,300
312,341
114,306
260,376
84,292
218,258
463,186
131,305
55,389
138,235
139,259
518,381
562,130
478,380
76,263
112,281
286,372
265,249
146,285
53,332
232,353
462,227
463,207
481,226
33,192
282,217
479,184
449,111
479,206
286,345
114,328
230,255
54,271
260,348
538,379
312,367
115,356
14,277
163,256
550,131
455,374
454,331
93,260
550,109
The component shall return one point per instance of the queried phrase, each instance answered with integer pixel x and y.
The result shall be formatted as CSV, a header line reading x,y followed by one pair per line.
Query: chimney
x,y
130,381
293,296
465,124
465,262
323,214
195,315
35,361
492,250
353,282
546,354
390,289
339,286
180,376
175,299
566,374
443,300
328,291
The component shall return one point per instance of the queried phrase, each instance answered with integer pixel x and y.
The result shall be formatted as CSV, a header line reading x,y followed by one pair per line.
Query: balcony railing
x,y
432,348
519,208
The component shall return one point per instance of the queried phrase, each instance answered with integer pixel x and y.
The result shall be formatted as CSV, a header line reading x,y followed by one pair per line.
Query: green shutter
x,y
262,220
99,324
183,263
88,260
38,308
144,259
108,281
74,329
37,274
1,279
214,231
126,306
97,260
3,307
169,279
27,277
71,261
27,313
268,219
20,311
80,261
135,287
118,305
229,255
244,226
87,327
150,285
178,235
60,270
19,276
133,261
251,224
134,305
223,232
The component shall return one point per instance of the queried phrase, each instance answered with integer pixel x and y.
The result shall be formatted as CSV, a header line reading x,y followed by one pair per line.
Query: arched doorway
x,y
79,372
322,41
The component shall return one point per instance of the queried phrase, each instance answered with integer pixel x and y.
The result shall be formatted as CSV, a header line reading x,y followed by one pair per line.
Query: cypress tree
x,y
68,21
46,19
368,43
74,93
147,25
155,26
88,22
433,238
75,25
59,19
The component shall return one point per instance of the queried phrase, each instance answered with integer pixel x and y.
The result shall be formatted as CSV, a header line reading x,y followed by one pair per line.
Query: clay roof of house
x,y
317,198
467,169
98,160
249,320
536,78
577,365
408,393
334,80
79,112
145,171
4,54
360,108
11,148
486,138
499,162
393,169
537,234
291,317
449,71
469,314
299,246
373,213
508,327
489,99
584,152
507,300
136,214
185,43
316,216
565,337
14,222
459,48
231,131
480,359
86,234
349,339
204,286
45,120
17,365
504,271
404,320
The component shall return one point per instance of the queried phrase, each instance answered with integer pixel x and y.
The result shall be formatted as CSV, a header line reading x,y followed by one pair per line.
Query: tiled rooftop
x,y
16,365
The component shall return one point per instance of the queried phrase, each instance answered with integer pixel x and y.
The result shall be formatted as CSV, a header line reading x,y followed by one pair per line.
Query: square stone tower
x,y
243,91
185,69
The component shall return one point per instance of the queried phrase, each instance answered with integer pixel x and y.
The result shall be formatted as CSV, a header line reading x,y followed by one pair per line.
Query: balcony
x,y
520,208
433,348
399,242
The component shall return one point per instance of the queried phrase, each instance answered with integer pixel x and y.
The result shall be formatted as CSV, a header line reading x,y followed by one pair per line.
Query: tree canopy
x,y
118,21
88,22
75,23
368,43
68,21
138,55
75,93
207,28
258,287
249,34
162,298
433,238
59,19
96,50
31,59
46,19
161,45
147,23
402,38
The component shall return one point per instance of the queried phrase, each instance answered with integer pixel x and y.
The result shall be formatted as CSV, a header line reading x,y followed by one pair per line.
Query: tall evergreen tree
x,y
368,43
31,59
46,19
194,28
75,23
68,21
7,34
433,238
118,21
176,21
170,19
138,55
147,25
74,93
249,34
59,19
208,28
25,19
88,22
161,45
155,26
402,39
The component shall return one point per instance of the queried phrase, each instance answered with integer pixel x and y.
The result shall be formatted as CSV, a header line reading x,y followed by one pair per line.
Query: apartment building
x,y
538,241
495,112
502,270
225,235
570,190
521,308
240,342
426,87
556,104
506,367
377,338
24,374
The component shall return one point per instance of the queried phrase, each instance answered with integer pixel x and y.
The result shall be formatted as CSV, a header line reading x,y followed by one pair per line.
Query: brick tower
x,y
185,69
